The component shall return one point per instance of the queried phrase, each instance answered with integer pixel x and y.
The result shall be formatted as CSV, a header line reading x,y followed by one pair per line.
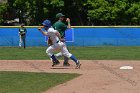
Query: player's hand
x,y
67,20
49,42
62,40
40,29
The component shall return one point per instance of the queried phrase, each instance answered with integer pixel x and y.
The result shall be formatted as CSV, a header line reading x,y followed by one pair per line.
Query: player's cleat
x,y
78,65
55,63
66,64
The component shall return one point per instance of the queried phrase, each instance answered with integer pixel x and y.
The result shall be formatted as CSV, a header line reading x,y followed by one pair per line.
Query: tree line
x,y
81,12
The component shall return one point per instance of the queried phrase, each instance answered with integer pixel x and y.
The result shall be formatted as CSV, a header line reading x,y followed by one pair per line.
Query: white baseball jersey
x,y
56,44
52,34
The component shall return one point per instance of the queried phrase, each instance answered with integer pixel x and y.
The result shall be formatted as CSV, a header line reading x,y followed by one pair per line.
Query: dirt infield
x,y
98,76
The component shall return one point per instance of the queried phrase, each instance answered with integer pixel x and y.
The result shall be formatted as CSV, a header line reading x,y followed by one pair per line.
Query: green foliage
x,y
114,12
36,9
3,8
82,12
134,13
57,3
108,12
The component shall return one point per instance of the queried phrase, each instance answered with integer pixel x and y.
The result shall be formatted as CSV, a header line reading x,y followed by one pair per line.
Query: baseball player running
x,y
57,43
61,28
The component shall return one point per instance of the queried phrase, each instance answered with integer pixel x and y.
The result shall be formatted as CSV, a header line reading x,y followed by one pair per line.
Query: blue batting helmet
x,y
47,23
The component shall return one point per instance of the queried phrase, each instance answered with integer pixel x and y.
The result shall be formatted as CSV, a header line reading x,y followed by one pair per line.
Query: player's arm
x,y
19,31
59,36
69,25
64,26
43,32
25,30
49,41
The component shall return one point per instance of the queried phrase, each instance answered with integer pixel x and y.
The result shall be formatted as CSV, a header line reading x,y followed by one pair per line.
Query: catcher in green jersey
x,y
61,27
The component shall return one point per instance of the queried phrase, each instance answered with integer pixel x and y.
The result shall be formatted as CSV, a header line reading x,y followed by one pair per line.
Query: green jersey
x,y
22,31
60,27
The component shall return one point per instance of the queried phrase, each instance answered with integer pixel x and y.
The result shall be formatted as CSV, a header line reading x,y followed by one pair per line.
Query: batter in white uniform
x,y
55,37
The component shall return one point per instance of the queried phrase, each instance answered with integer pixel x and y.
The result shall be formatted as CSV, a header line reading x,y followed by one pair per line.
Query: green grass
x,y
21,53
108,53
25,82
87,53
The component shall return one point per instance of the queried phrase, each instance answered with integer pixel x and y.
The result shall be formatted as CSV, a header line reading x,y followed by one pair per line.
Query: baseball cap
x,y
22,25
47,23
58,15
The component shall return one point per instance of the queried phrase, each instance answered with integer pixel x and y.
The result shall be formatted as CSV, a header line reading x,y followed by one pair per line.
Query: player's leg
x,y
59,55
56,55
65,63
20,40
66,59
24,42
66,53
49,51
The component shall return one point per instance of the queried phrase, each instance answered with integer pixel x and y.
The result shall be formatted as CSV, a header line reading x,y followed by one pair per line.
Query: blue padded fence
x,y
77,36
107,36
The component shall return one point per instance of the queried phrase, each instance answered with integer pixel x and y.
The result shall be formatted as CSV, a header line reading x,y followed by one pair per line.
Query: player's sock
x,y
19,44
74,59
53,58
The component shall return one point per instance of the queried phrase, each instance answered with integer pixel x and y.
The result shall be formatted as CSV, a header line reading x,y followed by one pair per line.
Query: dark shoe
x,y
66,59
78,65
55,63
66,64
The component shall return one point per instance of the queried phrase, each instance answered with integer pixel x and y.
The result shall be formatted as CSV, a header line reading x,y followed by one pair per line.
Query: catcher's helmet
x,y
47,23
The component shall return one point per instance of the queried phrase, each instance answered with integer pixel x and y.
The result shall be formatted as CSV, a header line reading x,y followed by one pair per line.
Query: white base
x,y
126,67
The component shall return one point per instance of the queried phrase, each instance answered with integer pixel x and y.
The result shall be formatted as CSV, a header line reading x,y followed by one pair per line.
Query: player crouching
x,y
54,35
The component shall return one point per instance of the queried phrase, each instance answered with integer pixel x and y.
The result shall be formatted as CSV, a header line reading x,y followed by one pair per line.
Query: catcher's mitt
x,y
49,42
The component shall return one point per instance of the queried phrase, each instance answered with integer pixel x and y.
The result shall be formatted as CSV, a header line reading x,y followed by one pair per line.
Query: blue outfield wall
x,y
10,37
107,36
90,36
